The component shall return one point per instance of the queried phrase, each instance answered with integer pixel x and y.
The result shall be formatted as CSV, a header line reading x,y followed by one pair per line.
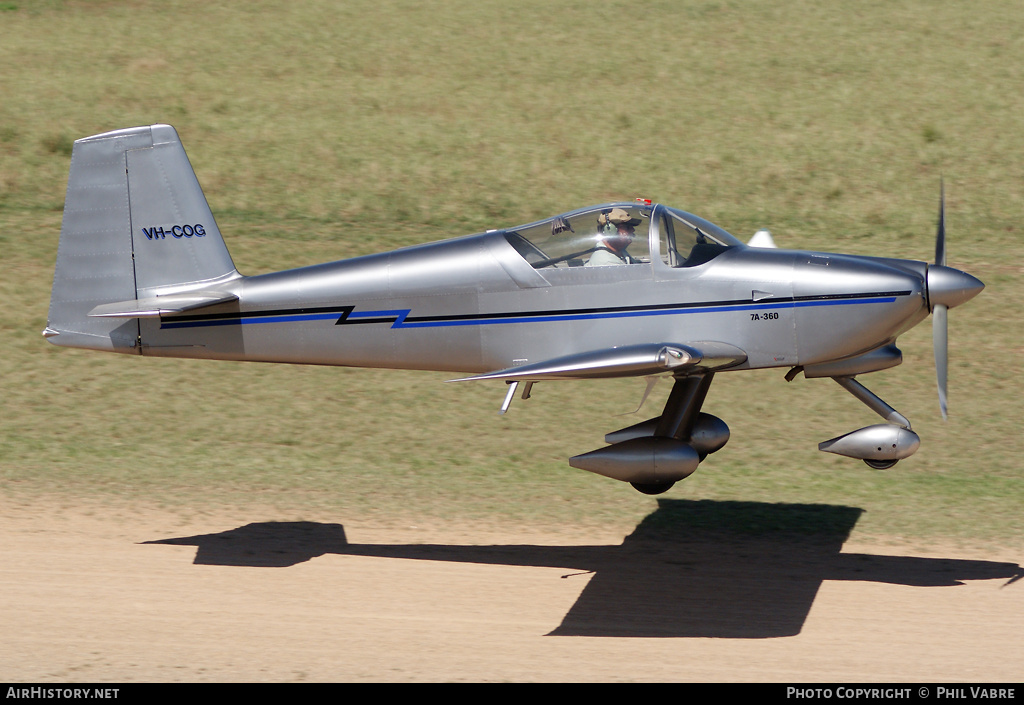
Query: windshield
x,y
687,240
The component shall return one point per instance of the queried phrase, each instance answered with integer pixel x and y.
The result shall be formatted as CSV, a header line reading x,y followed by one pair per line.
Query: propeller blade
x,y
940,236
940,344
940,320
946,287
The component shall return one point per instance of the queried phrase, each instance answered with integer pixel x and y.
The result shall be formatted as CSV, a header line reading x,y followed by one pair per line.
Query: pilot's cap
x,y
617,216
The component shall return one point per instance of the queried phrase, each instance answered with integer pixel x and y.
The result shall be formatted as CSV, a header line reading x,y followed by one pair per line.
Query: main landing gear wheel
x,y
652,487
880,464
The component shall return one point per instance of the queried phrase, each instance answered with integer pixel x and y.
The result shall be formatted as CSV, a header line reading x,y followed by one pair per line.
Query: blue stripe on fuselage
x,y
399,317
526,318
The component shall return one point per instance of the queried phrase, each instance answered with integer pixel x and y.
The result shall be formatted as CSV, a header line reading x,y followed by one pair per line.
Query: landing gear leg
x,y
872,401
683,405
678,419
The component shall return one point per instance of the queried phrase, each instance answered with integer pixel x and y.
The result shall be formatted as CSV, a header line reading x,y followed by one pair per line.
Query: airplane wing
x,y
162,305
626,361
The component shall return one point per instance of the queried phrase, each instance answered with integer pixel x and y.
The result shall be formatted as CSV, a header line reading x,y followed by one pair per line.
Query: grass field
x,y
321,130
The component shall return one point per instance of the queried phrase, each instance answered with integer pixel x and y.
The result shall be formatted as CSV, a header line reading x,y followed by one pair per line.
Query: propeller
x,y
940,318
940,346
947,287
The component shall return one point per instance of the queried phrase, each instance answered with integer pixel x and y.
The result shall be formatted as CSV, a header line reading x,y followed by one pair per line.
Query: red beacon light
x,y
644,201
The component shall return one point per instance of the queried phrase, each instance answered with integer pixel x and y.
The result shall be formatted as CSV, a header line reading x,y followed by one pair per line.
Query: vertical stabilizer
x,y
136,224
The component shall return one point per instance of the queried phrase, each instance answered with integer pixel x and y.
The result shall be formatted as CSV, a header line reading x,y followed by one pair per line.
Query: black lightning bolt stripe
x,y
345,316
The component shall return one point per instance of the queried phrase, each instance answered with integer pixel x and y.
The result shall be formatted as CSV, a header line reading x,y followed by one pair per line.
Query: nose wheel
x,y
880,446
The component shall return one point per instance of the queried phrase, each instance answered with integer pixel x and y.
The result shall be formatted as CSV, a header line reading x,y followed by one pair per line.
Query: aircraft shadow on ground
x,y
690,569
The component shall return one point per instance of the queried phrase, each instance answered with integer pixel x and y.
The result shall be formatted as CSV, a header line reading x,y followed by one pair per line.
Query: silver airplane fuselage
x,y
474,305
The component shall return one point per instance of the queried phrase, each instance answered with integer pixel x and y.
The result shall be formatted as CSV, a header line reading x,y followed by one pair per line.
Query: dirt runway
x,y
107,594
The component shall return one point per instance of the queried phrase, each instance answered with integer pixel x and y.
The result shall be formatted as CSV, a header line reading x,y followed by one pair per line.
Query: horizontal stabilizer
x,y
627,361
162,305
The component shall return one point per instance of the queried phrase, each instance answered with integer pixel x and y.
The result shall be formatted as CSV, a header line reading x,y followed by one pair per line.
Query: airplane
x,y
624,289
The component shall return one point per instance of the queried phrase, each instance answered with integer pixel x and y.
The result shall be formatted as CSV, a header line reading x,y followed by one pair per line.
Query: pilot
x,y
615,230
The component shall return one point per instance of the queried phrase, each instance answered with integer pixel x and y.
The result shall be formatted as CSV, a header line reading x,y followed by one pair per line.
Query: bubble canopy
x,y
620,233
